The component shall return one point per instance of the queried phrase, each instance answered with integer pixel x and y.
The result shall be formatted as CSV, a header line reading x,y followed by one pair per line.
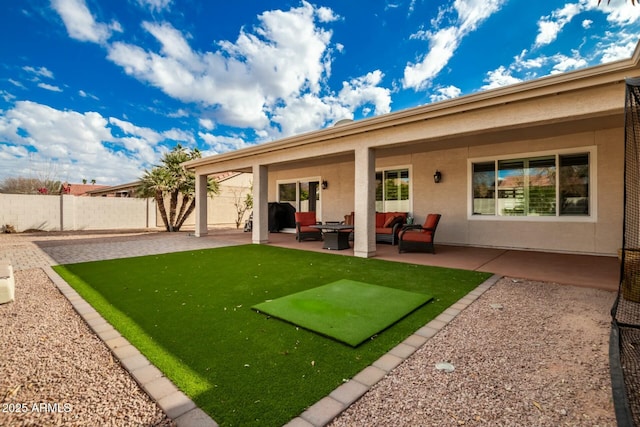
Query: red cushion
x,y
306,229
388,221
384,230
380,219
305,218
431,221
418,236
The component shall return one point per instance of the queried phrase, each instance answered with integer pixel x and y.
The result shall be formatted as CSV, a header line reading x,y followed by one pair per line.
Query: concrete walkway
x,y
41,250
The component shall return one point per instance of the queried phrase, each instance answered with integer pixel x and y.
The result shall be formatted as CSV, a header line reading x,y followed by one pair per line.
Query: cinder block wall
x,y
49,213
26,212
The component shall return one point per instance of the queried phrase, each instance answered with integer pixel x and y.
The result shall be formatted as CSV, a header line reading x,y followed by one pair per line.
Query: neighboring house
x,y
552,147
223,211
80,189
122,190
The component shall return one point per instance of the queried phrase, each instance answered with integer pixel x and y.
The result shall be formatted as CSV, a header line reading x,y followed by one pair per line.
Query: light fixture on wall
x,y
325,185
437,177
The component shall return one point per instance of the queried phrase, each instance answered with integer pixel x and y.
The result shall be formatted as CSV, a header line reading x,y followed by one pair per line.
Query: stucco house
x,y
536,165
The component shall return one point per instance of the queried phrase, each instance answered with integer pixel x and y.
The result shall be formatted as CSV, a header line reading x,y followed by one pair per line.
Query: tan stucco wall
x,y
450,197
221,209
49,213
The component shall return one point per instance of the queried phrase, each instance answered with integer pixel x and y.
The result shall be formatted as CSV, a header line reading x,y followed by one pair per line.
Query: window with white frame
x,y
546,185
393,190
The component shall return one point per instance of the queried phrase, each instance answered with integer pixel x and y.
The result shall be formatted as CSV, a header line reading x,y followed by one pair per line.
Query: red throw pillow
x,y
387,223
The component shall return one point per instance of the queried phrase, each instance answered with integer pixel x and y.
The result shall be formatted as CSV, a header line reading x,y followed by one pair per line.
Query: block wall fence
x,y
72,213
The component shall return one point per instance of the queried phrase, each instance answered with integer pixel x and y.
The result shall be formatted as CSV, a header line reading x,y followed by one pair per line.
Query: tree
x,y
20,185
242,206
170,180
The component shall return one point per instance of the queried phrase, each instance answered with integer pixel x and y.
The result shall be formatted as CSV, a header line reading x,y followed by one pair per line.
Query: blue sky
x,y
96,89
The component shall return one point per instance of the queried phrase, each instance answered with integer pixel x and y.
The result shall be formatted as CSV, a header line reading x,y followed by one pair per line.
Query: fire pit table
x,y
336,236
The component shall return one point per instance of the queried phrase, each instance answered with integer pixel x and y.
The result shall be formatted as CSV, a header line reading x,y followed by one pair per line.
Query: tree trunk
x,y
163,211
173,203
183,207
190,209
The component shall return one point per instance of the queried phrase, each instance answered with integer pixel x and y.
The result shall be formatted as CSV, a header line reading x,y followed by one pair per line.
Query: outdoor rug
x,y
348,311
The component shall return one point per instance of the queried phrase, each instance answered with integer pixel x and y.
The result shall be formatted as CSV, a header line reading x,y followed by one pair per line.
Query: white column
x,y
201,205
364,242
260,231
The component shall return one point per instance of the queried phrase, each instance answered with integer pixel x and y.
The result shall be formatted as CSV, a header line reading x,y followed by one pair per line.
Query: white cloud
x,y
325,14
617,52
208,124
550,26
155,5
365,90
39,72
619,13
80,23
472,13
565,63
8,97
16,83
179,135
130,129
84,94
49,87
444,93
284,61
442,46
444,42
81,145
499,77
221,144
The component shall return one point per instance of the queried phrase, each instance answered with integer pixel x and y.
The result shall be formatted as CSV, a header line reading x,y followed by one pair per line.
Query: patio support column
x,y
364,242
260,231
201,205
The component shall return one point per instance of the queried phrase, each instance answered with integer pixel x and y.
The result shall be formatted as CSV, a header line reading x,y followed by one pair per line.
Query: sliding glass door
x,y
303,195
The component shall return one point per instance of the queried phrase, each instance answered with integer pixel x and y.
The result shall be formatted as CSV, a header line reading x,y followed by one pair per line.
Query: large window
x,y
303,195
542,186
392,191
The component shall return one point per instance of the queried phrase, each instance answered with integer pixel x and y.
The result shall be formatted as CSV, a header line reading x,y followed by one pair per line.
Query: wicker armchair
x,y
303,231
419,238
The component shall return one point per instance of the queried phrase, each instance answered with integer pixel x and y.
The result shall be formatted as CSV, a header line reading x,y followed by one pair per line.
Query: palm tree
x,y
171,180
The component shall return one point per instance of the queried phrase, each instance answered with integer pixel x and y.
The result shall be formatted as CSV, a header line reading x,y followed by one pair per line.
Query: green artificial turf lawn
x,y
189,314
345,310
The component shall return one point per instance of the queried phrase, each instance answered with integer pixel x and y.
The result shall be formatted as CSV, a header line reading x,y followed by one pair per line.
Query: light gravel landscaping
x,y
55,371
524,354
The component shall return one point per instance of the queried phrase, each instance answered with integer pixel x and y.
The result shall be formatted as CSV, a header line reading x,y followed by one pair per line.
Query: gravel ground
x,y
49,356
525,354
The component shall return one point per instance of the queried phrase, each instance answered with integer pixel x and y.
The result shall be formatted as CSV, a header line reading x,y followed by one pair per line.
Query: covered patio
x,y
590,271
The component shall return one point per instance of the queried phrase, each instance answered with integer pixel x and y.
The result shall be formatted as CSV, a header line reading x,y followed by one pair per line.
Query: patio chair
x,y
419,238
303,231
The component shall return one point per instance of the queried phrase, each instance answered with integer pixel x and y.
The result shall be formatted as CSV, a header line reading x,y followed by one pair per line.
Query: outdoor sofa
x,y
388,225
